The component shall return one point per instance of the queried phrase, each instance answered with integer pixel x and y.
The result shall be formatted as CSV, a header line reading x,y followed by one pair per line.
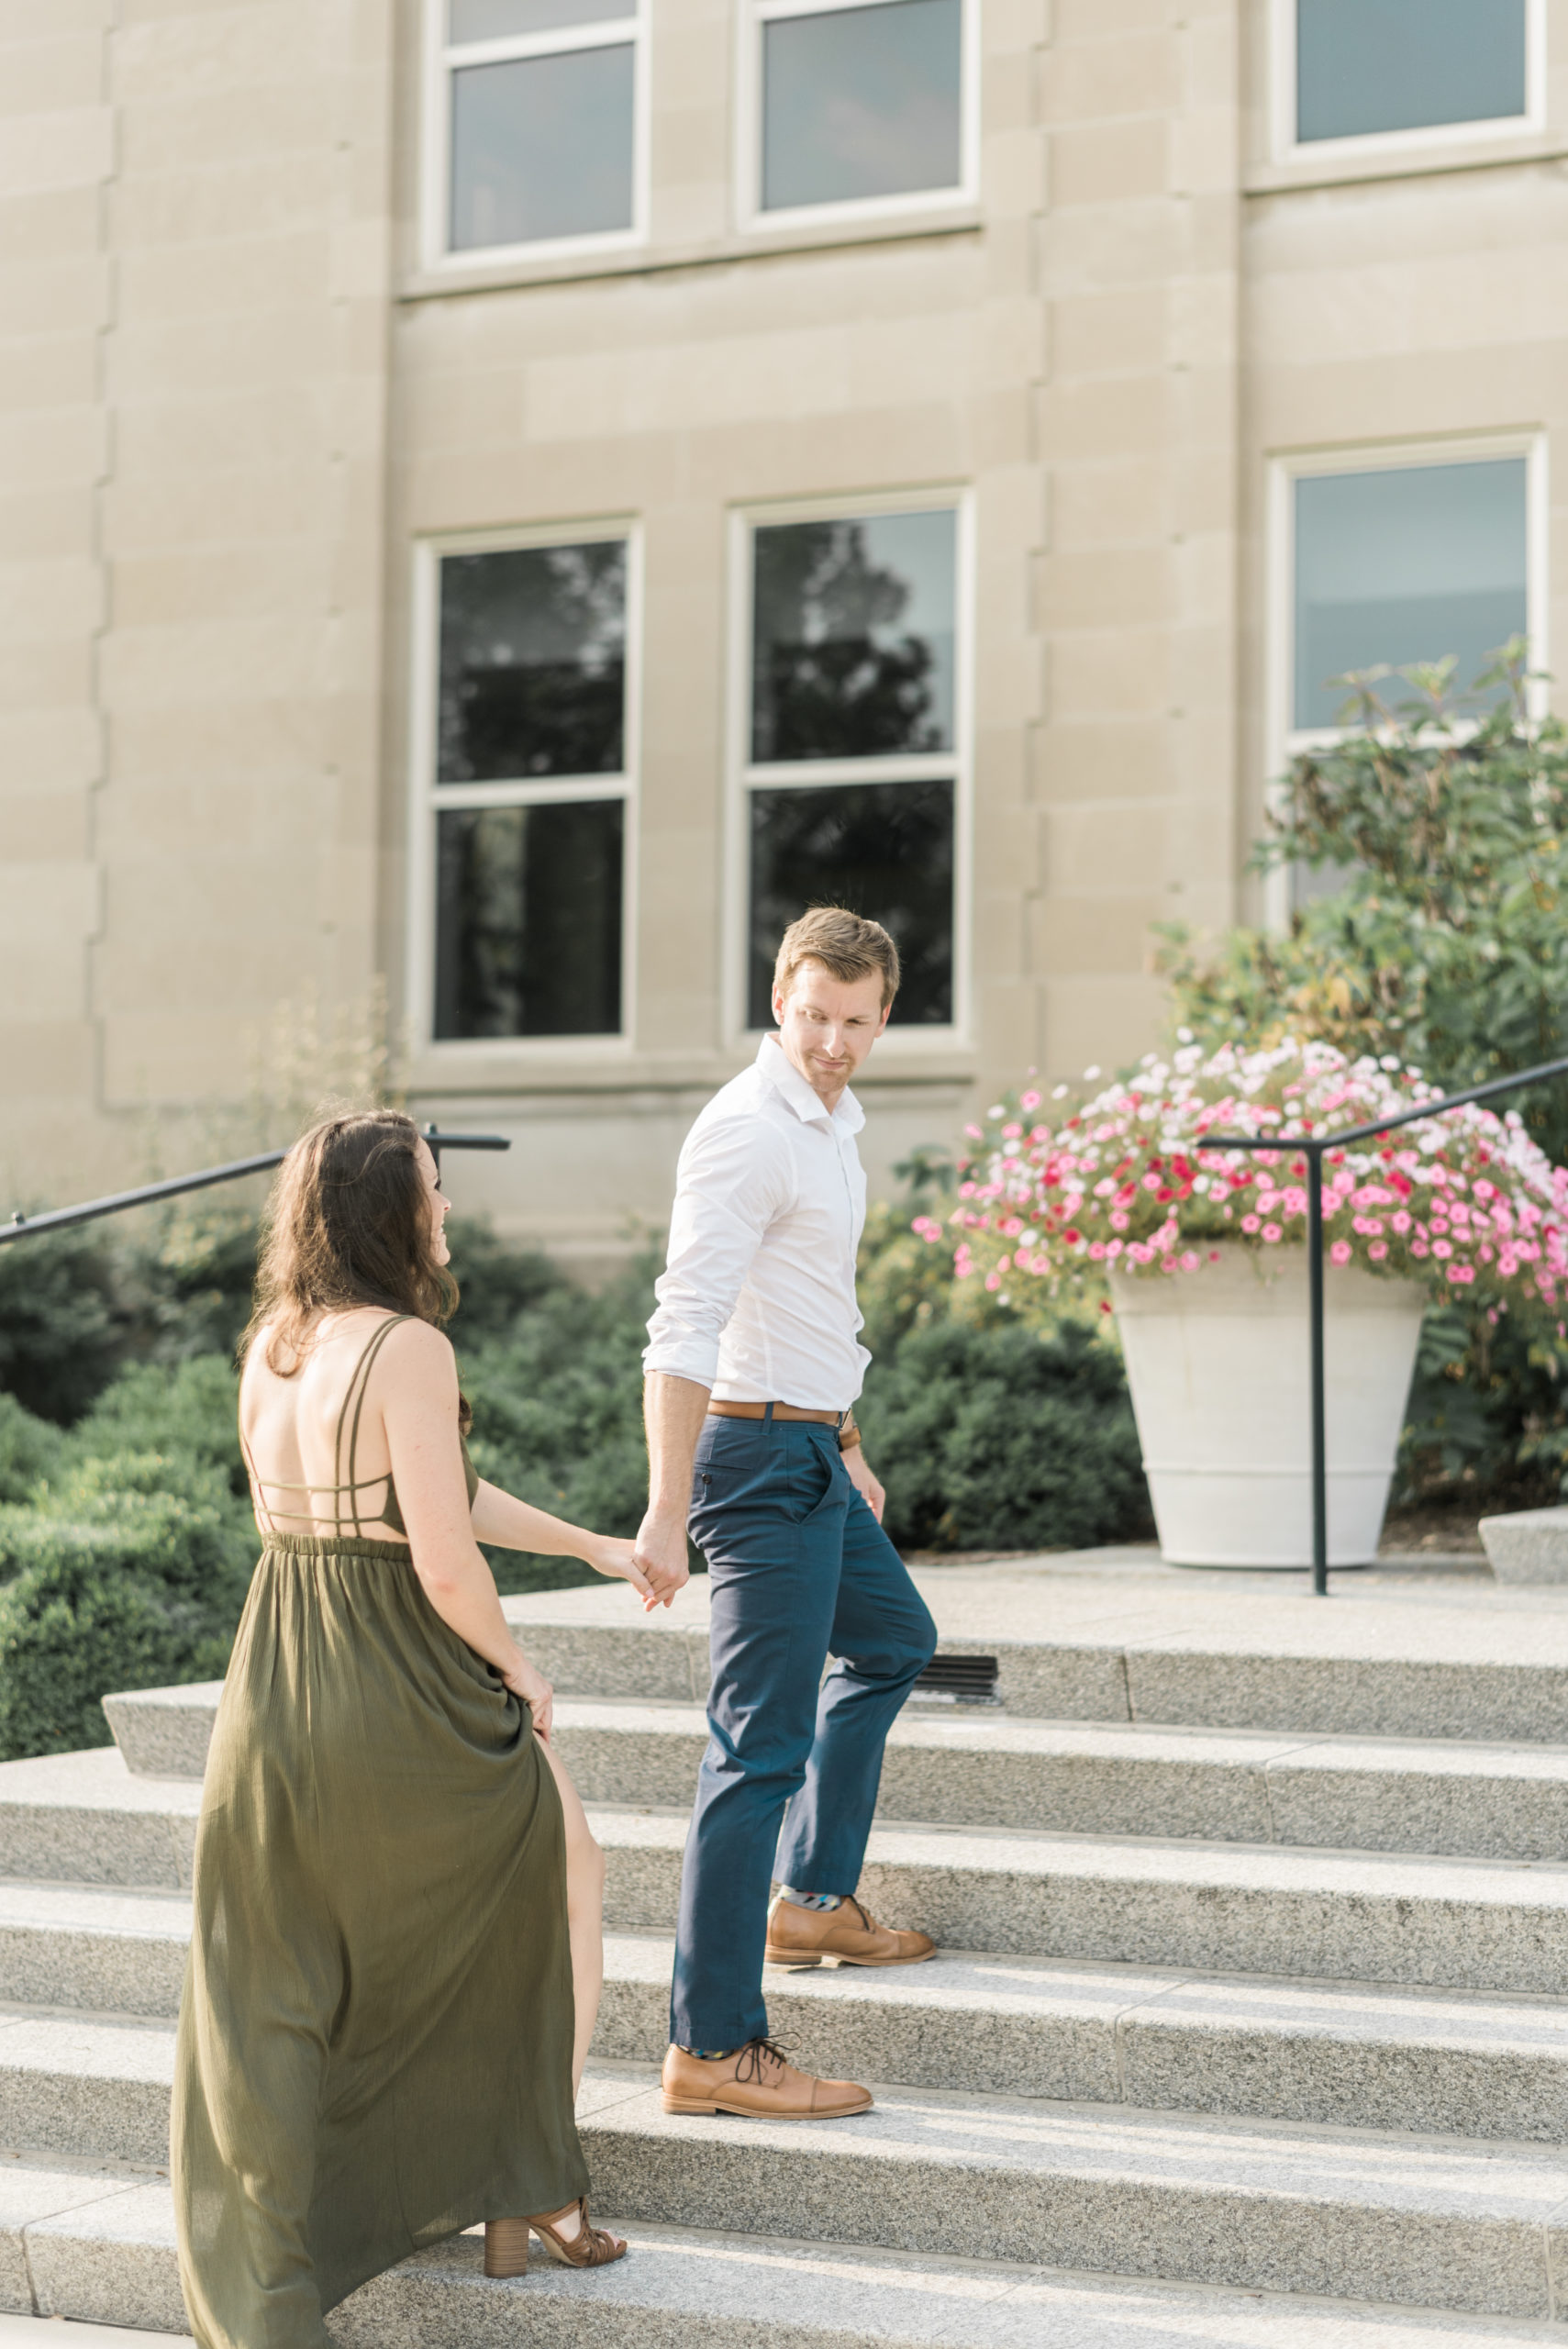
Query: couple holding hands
x,y
397,1957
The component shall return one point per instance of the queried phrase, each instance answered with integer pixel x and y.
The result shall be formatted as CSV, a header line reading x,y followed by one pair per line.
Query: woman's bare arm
x,y
513,1524
417,1379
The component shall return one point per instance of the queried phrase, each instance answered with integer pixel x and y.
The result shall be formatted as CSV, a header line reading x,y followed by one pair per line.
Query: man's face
x,y
827,1026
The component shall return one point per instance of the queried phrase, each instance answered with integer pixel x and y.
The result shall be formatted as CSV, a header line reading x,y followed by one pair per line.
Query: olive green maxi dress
x,y
376,2037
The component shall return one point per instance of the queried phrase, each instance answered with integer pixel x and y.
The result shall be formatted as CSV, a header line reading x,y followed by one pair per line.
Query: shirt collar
x,y
786,1080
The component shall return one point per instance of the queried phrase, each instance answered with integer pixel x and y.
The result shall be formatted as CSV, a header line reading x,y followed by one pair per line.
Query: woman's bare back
x,y
316,1443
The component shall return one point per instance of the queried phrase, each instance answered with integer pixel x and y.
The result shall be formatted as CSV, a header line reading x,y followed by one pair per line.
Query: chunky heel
x,y
505,2247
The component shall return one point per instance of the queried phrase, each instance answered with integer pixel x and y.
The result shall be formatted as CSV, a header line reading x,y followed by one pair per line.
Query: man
x,y
751,1373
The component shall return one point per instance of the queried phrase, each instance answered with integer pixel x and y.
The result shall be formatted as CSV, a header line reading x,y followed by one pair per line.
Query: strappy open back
x,y
270,1521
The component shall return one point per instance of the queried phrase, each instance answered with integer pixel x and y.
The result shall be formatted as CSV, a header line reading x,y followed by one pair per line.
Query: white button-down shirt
x,y
758,1301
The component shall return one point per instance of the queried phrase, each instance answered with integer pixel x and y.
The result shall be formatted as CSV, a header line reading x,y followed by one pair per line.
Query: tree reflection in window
x,y
532,662
852,638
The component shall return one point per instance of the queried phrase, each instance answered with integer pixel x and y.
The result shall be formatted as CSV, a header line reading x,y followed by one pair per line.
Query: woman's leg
x,y
584,1912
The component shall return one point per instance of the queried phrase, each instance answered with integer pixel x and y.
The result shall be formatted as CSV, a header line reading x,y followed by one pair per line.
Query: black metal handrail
x,y
23,1227
1312,1148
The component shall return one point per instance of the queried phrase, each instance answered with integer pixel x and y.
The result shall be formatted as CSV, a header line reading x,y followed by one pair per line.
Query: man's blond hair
x,y
846,945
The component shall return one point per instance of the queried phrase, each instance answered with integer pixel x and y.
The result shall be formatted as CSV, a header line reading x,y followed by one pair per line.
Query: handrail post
x,y
1319,1390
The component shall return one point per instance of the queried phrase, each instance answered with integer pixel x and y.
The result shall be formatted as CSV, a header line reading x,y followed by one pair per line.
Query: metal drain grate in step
x,y
957,1680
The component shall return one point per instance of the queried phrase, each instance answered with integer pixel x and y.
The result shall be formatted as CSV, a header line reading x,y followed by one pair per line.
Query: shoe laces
x,y
756,2053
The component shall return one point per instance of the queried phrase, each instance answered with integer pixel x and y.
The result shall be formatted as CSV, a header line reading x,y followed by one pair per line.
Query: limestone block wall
x,y
201,268
56,159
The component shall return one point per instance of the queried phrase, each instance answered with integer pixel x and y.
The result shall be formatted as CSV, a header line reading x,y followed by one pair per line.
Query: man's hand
x,y
660,1552
858,1471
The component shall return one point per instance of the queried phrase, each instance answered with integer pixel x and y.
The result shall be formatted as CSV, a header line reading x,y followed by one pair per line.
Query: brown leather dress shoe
x,y
757,2083
799,1936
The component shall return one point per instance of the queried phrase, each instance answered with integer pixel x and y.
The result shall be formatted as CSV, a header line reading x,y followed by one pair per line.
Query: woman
x,y
397,1957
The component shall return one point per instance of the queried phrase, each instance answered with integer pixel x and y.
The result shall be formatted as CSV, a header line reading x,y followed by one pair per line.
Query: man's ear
x,y
886,1016
778,1007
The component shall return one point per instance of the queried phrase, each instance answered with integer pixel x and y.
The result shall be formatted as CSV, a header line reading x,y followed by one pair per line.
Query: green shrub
x,y
74,1623
30,1449
1004,1438
129,1571
58,1338
558,1414
187,1409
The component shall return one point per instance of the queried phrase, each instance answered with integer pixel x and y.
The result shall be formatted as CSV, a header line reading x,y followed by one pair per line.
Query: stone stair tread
x,y
115,2248
963,1985
1183,1860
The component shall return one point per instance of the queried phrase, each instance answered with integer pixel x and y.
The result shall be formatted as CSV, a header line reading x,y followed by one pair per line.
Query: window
x,y
534,134
1369,68
1380,563
1409,563
526,808
858,107
852,768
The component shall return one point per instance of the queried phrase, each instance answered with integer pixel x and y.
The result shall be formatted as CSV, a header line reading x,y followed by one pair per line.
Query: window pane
x,y
883,849
529,920
1365,65
1410,565
861,102
505,20
852,638
533,663
541,147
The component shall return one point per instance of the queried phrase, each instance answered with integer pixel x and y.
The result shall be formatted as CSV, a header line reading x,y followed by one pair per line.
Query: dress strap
x,y
355,1393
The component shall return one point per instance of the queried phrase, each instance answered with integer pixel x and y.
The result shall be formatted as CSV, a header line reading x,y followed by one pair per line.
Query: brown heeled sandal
x,y
506,2243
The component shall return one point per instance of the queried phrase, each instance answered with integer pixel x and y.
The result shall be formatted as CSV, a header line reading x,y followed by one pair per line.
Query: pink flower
x,y
1400,1222
1096,1249
1271,1232
1189,1262
992,1280
1378,1250
1250,1222
1442,1248
1339,1253
1419,1248
1029,1101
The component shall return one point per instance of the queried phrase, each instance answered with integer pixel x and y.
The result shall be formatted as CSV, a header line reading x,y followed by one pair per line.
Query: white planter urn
x,y
1219,1368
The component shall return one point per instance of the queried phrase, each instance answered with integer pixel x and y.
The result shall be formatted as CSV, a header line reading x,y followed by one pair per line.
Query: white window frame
x,y
427,799
1367,146
1284,739
442,59
749,212
744,775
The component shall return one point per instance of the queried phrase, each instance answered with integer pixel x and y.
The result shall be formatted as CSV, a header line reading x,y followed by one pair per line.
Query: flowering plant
x,y
1466,1201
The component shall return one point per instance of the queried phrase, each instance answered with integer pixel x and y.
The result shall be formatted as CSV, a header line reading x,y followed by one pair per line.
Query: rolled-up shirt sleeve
x,y
732,1180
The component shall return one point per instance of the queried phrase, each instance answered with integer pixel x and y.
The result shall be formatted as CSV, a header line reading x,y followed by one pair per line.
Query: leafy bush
x,y
558,1413
73,1624
1440,823
30,1449
59,1341
1005,1438
128,1572
186,1409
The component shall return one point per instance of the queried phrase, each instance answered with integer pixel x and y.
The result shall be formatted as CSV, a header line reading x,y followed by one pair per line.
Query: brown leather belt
x,y
779,1410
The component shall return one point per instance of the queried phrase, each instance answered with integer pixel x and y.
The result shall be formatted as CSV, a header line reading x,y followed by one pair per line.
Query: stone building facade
x,y
519,495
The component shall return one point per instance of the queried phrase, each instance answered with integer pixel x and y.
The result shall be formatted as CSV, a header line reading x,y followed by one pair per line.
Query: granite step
x,y
1113,1637
101,2249
1180,2198
1341,2054
1264,2205
1232,1908
1226,1908
991,1769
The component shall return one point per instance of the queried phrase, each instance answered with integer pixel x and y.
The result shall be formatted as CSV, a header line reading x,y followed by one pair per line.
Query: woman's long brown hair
x,y
347,1224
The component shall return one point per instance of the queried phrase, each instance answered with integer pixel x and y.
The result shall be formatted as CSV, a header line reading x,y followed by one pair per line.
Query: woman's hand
x,y
619,1560
526,1681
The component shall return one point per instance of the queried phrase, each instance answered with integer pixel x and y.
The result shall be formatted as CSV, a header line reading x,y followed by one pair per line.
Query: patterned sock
x,y
810,1900
709,2055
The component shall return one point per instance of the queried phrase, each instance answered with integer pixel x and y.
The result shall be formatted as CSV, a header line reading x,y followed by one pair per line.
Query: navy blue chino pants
x,y
799,1570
